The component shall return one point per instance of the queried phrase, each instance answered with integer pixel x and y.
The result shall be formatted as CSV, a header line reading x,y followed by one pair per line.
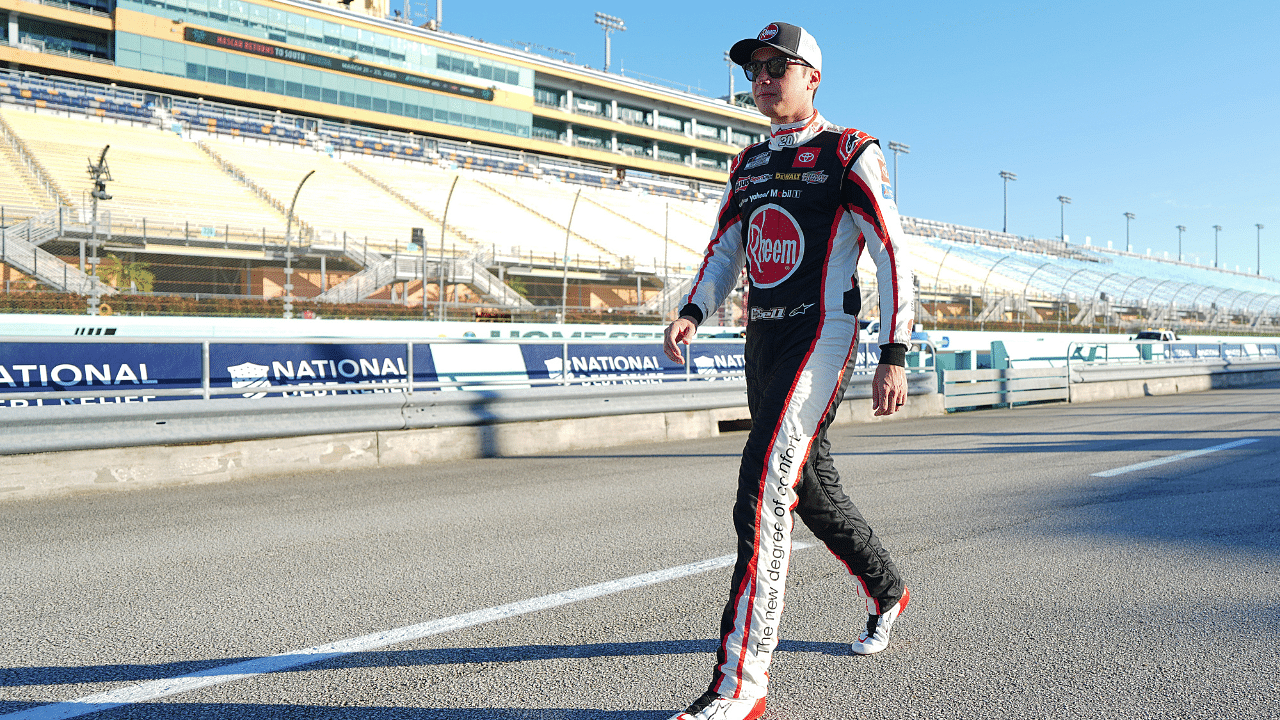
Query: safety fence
x,y
64,393
1102,362
1099,363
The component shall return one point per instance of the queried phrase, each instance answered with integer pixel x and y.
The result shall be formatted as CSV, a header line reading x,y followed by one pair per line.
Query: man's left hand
x,y
889,389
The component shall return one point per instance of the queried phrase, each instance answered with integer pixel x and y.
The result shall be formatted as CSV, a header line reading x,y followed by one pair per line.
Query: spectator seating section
x,y
201,118
333,201
155,175
20,193
507,202
55,94
483,214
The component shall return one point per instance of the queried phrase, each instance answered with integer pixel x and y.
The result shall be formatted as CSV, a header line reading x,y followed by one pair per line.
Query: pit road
x,y
1104,560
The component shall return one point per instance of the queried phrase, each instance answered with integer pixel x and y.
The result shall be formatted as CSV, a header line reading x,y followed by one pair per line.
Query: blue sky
x,y
1168,110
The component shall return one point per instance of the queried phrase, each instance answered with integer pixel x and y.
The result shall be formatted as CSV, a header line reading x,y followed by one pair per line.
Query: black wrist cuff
x,y
692,311
893,354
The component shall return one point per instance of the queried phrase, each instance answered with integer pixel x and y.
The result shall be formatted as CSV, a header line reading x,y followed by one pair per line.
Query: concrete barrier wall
x,y
116,469
1140,387
82,471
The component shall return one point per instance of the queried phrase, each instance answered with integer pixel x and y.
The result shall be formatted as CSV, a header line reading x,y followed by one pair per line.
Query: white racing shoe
x,y
876,637
713,707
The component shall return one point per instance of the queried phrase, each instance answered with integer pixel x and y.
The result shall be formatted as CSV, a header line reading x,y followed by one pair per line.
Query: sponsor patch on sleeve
x,y
850,142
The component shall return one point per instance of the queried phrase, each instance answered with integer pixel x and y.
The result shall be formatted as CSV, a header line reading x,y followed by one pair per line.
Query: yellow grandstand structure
x,y
273,150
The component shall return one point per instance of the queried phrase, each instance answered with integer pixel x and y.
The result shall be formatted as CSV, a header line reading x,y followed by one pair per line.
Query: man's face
x,y
788,98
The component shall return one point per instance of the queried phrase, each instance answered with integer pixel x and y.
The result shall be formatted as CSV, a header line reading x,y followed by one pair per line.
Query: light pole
x,y
1181,229
1216,229
100,174
1259,265
1062,217
1007,177
609,23
898,147
564,282
1128,247
732,65
288,250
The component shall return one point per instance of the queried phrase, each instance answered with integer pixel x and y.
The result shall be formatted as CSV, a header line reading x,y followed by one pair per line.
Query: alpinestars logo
x,y
850,141
775,246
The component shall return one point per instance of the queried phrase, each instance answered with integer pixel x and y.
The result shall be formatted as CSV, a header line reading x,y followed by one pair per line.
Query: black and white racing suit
x,y
798,211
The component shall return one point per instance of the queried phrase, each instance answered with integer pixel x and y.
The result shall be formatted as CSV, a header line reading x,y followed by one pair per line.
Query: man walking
x,y
798,211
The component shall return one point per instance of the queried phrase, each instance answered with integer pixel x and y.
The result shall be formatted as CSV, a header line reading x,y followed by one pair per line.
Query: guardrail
x,y
1138,360
436,383
1105,362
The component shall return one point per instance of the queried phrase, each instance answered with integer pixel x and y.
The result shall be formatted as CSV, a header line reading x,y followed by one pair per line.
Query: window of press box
x,y
634,116
68,39
673,153
252,73
548,96
103,6
591,138
466,65
634,146
252,20
551,130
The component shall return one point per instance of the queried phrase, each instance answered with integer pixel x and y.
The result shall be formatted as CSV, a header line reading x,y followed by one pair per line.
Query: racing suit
x,y
798,211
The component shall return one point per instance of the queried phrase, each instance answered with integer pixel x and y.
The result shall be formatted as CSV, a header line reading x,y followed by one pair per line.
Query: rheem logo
x,y
775,246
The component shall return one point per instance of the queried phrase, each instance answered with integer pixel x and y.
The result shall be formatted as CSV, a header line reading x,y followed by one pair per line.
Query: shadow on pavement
x,y
76,675
532,653
19,676
236,711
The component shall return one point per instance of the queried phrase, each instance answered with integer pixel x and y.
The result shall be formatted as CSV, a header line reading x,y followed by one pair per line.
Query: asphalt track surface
x,y
1039,589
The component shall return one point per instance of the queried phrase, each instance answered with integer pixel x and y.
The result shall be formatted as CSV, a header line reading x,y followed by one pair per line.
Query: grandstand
x,y
202,192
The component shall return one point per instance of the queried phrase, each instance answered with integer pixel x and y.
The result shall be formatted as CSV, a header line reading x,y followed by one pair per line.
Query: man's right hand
x,y
680,331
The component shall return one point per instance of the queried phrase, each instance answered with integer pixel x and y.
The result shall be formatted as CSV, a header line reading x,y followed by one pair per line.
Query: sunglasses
x,y
775,66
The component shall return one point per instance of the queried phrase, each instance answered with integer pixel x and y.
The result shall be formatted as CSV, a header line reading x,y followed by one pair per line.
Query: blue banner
x,y
619,364
61,367
263,369
257,370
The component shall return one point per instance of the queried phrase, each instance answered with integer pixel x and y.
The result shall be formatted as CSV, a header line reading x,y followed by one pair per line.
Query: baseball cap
x,y
790,39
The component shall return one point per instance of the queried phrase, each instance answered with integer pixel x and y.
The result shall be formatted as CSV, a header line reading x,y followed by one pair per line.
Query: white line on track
x,y
1173,458
144,692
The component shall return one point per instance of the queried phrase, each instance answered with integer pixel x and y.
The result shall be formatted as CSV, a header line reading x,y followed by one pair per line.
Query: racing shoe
x,y
876,637
713,707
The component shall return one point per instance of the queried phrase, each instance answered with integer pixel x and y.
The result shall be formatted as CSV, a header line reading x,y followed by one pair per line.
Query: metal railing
x,y
113,417
1105,361
203,387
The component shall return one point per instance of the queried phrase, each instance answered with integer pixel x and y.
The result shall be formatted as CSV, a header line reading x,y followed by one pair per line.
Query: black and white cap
x,y
790,39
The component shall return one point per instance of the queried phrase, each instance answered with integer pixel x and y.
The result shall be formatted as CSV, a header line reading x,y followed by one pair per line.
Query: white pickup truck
x,y
1157,335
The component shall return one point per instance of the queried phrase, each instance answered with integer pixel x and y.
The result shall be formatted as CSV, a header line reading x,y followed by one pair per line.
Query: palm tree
x,y
135,275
